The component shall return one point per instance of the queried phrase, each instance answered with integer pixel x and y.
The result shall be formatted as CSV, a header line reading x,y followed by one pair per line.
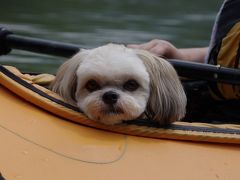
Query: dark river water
x,y
90,23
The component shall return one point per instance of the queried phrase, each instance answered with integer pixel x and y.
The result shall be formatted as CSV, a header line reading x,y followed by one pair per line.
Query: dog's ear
x,y
167,101
65,82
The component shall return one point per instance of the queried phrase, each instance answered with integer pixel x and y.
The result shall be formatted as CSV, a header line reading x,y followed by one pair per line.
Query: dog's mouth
x,y
112,110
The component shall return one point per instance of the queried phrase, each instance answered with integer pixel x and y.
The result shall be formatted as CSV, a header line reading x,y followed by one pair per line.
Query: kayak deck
x,y
41,139
37,144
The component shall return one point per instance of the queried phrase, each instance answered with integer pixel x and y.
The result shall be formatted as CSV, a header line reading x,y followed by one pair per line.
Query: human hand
x,y
160,48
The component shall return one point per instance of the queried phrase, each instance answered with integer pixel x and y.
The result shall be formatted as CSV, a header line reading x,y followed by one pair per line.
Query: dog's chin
x,y
112,115
111,118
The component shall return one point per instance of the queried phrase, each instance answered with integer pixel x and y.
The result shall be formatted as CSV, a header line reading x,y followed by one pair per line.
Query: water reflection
x,y
91,23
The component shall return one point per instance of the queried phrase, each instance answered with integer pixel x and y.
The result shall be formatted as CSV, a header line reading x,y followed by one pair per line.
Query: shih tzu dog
x,y
113,83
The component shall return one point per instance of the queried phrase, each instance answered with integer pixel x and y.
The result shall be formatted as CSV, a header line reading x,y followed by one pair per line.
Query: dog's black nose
x,y
110,97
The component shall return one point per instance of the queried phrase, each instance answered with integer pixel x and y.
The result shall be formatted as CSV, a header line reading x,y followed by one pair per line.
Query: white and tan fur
x,y
160,95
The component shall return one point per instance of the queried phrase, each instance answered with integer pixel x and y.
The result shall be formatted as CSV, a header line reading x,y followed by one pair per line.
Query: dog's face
x,y
113,83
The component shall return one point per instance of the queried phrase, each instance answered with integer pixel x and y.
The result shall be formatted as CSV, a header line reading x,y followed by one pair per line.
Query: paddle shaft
x,y
41,46
206,72
185,69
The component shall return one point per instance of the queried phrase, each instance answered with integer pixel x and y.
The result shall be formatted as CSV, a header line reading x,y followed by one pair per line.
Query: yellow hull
x,y
36,144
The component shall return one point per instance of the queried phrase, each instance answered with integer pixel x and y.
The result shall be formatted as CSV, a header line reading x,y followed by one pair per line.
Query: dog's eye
x,y
92,85
130,85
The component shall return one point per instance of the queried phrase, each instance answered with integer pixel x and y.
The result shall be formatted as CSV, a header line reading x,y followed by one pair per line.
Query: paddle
x,y
190,70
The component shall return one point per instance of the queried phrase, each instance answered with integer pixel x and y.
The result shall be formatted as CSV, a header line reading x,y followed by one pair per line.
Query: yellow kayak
x,y
42,137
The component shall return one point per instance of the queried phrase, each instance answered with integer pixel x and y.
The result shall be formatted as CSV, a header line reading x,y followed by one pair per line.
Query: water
x,y
90,23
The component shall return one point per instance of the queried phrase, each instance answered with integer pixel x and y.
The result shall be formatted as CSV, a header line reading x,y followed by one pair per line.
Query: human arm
x,y
168,50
